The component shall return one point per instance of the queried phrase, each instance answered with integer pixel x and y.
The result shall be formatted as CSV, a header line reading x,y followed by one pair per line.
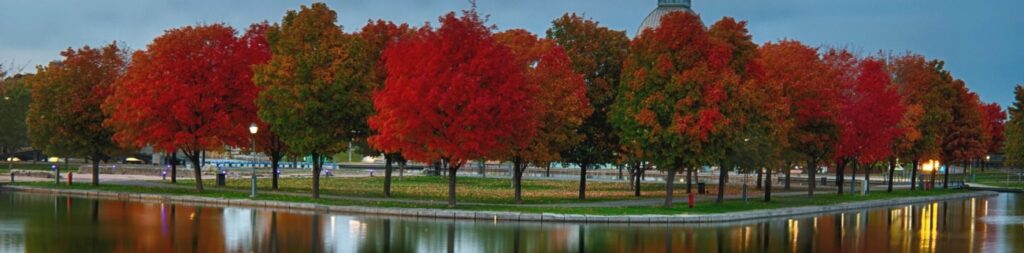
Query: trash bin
x,y
824,181
221,178
701,188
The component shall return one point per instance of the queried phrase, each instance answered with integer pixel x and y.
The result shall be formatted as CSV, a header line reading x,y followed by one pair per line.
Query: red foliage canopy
x,y
871,109
995,123
796,71
452,93
190,89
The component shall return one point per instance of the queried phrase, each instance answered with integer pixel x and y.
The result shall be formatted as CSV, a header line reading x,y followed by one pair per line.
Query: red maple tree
x,y
870,111
452,94
189,91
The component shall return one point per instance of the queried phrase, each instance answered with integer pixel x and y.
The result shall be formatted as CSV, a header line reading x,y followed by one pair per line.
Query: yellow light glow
x,y
930,166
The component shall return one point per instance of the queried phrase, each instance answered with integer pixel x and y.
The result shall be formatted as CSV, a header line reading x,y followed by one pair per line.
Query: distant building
x,y
664,7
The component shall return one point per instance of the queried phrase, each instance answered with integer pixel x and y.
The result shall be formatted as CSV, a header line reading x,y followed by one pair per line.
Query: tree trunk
x,y
945,177
275,166
812,169
547,170
892,170
636,182
640,168
174,167
935,172
388,159
317,167
913,175
583,181
867,178
760,176
197,171
452,170
401,168
95,169
853,176
723,172
620,171
631,171
788,171
519,167
768,185
670,182
840,174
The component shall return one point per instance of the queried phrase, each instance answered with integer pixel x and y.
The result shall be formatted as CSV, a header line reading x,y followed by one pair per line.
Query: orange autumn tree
x,y
65,117
452,94
559,106
674,87
923,84
995,125
182,93
797,71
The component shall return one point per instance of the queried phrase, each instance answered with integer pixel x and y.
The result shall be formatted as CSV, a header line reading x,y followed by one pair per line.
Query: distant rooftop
x,y
664,7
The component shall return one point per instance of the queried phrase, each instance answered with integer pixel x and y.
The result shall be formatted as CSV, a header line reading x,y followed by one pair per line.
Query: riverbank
x,y
755,209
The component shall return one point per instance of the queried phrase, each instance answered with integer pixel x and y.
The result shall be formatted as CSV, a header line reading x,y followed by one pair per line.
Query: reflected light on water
x,y
928,230
120,226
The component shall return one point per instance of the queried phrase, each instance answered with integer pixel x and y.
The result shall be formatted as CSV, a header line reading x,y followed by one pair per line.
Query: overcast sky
x,y
981,41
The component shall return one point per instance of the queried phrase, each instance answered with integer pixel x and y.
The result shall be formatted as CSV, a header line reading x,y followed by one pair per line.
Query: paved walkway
x,y
977,186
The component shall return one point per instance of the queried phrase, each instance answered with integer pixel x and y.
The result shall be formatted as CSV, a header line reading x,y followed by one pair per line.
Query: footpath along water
x,y
49,223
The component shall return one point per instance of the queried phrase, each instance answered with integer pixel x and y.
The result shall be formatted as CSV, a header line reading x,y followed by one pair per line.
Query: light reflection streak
x,y
794,226
929,218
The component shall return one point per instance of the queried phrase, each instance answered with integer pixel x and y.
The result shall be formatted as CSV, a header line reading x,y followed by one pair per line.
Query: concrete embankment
x,y
502,216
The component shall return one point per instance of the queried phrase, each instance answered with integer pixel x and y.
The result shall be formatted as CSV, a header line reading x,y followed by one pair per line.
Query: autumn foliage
x,y
597,53
67,120
453,94
674,87
680,97
190,90
559,104
316,89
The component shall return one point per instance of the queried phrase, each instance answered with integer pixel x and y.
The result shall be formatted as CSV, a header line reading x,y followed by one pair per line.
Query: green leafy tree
x,y
675,107
316,88
66,117
597,53
1014,143
14,102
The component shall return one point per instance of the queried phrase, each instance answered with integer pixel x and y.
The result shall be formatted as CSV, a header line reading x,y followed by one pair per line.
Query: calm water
x,y
44,223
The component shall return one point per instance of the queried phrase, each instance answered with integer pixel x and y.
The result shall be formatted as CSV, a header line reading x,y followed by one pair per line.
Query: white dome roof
x,y
664,7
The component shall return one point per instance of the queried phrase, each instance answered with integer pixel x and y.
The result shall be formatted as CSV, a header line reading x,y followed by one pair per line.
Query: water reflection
x,y
42,223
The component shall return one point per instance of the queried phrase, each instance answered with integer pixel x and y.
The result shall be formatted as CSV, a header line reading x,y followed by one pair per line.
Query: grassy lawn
x,y
998,178
469,189
679,208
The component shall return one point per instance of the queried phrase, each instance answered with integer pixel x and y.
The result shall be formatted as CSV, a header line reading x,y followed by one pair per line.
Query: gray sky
x,y
979,40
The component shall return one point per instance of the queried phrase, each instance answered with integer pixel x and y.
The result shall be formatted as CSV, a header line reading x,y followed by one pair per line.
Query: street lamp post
x,y
253,128
10,158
